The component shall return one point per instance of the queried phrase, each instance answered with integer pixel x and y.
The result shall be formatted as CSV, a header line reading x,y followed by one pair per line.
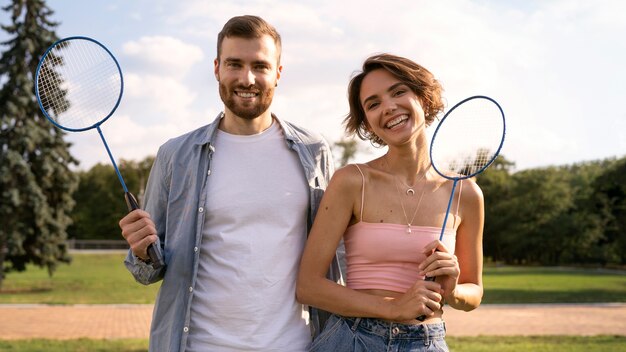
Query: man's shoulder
x,y
192,137
305,135
199,136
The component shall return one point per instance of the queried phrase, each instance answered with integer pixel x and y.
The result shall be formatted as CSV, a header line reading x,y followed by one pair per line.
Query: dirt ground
x,y
133,321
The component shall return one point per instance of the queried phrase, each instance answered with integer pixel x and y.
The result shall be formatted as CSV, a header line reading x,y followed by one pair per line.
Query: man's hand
x,y
139,231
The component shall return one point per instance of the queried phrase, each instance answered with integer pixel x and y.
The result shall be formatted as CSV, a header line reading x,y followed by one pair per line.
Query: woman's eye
x,y
370,106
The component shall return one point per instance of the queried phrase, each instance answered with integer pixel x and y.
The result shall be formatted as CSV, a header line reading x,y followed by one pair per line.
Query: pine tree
x,y
36,184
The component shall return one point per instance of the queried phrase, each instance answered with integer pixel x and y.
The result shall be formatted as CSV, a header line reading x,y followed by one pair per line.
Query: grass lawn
x,y
552,285
538,344
458,344
103,279
89,279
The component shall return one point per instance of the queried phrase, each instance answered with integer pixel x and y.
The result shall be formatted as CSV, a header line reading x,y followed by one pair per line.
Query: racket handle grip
x,y
423,317
156,259
131,201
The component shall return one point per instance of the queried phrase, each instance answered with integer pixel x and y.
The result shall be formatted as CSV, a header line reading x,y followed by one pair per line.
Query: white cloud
x,y
163,55
555,66
163,95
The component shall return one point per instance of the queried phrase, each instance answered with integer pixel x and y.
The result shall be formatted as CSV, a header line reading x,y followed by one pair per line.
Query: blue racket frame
x,y
100,122
456,179
156,257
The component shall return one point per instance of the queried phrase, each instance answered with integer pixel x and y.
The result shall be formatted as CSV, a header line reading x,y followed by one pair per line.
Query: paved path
x,y
133,321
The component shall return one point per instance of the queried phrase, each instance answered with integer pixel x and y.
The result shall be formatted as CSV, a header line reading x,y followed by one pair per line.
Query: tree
x,y
100,201
349,148
36,184
608,199
497,186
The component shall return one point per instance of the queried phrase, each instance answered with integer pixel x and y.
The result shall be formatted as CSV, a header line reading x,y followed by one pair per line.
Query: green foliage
x,y
100,199
556,215
349,147
608,197
36,184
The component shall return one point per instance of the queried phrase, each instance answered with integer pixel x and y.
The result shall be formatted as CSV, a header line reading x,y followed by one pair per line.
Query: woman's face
x,y
393,112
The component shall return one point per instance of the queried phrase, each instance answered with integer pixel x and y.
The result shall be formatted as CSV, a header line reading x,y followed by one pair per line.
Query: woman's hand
x,y
442,265
423,298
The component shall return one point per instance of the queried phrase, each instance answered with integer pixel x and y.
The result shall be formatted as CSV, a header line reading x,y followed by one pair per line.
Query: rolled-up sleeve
x,y
156,205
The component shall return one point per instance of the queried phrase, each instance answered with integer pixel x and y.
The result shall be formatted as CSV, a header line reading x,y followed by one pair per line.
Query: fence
x,y
97,244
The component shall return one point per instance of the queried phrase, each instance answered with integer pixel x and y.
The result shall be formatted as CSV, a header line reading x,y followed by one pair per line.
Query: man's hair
x,y
248,27
415,76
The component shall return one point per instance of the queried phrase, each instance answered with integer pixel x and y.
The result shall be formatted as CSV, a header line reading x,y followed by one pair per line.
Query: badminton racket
x,y
79,85
467,140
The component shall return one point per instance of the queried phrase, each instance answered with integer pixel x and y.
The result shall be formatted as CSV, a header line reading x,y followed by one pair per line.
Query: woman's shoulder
x,y
471,191
351,175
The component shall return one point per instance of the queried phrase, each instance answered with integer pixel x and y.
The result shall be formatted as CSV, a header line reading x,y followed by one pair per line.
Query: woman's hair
x,y
416,77
248,27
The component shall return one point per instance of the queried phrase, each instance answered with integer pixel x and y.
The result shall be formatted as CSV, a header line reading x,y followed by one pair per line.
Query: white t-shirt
x,y
254,233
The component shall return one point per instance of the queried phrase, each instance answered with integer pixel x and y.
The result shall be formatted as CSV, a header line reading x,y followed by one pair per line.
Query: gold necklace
x,y
408,223
410,191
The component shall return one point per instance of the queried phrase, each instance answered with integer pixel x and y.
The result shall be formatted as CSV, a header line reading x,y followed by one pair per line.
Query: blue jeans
x,y
365,334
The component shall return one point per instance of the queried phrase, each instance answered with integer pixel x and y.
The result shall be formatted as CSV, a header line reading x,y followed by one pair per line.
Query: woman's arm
x,y
460,274
338,207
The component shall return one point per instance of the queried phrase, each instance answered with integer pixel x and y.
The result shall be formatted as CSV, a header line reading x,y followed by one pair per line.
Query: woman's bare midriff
x,y
435,318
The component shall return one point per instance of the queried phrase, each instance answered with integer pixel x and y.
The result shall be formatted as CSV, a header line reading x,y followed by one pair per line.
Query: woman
x,y
389,212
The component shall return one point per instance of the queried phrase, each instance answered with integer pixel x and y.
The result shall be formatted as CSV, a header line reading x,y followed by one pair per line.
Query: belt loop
x,y
426,335
356,324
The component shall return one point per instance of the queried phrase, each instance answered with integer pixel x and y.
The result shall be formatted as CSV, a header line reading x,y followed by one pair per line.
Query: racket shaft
x,y
443,229
156,258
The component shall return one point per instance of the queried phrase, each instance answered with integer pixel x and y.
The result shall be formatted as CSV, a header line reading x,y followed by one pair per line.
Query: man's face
x,y
247,72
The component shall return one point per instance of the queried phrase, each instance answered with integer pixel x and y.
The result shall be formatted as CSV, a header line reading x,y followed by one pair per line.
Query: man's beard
x,y
250,111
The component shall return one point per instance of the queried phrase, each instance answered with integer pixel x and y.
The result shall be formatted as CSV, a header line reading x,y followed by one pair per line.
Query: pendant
x,y
410,192
408,229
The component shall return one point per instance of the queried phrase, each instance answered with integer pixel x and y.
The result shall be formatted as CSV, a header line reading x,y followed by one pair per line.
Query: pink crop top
x,y
383,256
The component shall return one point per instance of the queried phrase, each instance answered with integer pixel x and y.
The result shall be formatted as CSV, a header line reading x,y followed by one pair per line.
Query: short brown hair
x,y
248,27
415,76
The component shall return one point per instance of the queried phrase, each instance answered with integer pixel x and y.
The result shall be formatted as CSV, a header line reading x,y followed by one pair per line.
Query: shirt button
x,y
208,173
195,249
186,329
190,289
201,209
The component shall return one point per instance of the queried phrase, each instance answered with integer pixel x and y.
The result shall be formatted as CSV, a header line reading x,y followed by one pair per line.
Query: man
x,y
229,205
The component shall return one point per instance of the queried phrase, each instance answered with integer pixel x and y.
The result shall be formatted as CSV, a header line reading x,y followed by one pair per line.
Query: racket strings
x,y
79,84
468,139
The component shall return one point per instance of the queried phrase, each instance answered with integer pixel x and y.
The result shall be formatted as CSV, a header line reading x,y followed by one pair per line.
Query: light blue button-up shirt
x,y
176,197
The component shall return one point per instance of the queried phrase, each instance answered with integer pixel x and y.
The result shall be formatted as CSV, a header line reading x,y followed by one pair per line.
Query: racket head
x,y
468,138
78,83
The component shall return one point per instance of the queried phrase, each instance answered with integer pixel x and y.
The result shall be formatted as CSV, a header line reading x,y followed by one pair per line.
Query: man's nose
x,y
247,77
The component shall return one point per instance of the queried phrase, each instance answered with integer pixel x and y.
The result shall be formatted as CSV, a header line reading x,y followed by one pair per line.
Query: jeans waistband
x,y
390,330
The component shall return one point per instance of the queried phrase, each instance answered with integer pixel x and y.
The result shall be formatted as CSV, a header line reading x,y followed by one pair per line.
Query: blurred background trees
x,y
36,183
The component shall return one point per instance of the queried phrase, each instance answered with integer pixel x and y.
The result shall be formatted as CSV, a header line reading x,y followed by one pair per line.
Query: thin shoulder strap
x,y
362,191
458,203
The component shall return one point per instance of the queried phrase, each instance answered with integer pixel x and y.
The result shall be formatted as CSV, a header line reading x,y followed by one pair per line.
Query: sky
x,y
555,66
